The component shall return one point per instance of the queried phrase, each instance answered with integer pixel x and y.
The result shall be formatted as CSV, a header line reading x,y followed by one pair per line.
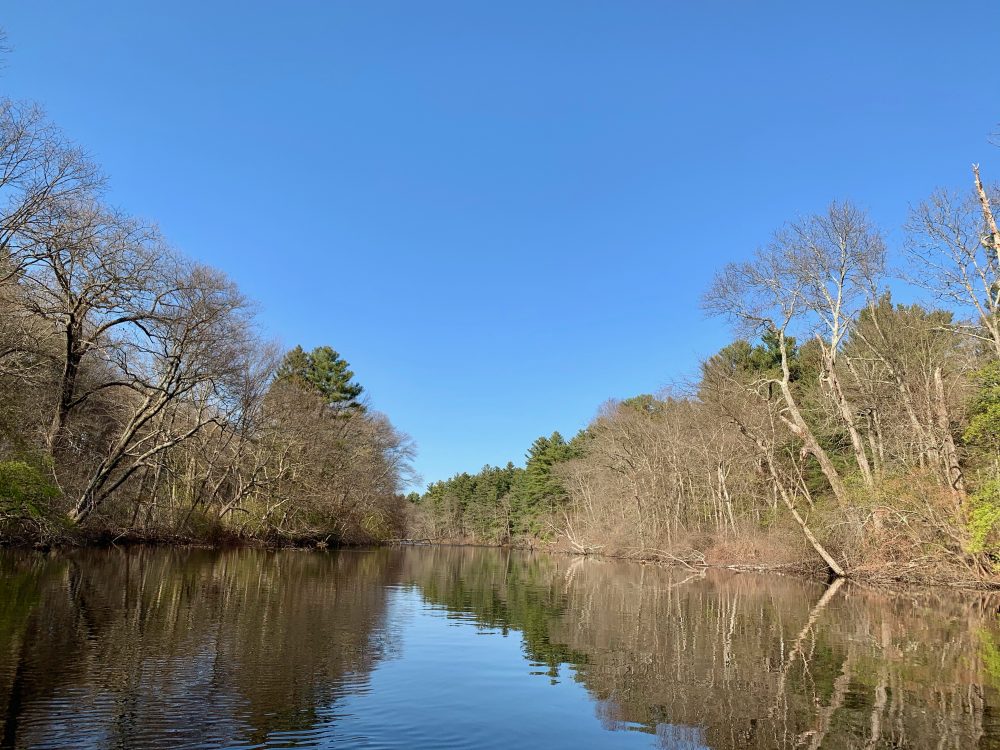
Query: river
x,y
448,647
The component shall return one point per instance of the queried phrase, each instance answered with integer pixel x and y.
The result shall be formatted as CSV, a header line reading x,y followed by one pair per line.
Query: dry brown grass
x,y
771,547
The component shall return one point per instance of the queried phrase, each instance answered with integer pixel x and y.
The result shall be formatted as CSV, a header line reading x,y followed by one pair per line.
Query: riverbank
x,y
754,558
715,559
218,539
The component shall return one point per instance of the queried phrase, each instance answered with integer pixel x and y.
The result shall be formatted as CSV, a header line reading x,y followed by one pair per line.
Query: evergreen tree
x,y
644,403
324,371
538,491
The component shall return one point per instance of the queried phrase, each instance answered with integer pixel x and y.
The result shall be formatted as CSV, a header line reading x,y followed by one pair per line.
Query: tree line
x,y
498,504
839,426
137,396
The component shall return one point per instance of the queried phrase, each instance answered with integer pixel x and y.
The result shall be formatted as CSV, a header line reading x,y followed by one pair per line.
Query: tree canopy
x,y
326,372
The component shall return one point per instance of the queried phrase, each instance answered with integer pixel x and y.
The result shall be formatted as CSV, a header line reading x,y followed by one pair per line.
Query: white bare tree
x,y
953,243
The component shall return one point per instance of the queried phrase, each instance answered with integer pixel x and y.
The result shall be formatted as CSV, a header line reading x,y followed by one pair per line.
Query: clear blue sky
x,y
504,213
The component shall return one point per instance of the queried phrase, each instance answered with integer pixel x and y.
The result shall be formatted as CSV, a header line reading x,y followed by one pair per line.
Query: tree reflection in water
x,y
153,648
730,660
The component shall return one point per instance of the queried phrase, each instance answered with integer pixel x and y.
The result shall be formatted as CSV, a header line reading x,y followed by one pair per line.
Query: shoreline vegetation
x,y
839,426
806,569
138,398
139,402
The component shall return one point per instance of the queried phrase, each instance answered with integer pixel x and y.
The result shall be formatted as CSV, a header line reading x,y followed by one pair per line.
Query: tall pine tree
x,y
324,371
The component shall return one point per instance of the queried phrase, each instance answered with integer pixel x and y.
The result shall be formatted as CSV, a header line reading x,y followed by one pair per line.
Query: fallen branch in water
x,y
695,562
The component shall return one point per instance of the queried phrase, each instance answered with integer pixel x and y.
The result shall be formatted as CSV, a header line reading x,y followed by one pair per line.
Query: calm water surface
x,y
462,647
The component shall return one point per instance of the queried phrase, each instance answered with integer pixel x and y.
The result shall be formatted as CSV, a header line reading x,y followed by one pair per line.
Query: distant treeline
x,y
839,426
137,398
499,505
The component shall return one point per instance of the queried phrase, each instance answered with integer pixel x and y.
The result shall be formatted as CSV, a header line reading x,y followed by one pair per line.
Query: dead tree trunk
x,y
953,468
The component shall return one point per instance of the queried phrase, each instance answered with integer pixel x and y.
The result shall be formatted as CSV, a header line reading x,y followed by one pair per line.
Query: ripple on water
x,y
458,648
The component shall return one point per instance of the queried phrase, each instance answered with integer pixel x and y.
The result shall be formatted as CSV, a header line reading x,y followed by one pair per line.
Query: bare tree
x,y
815,278
952,243
838,261
910,369
38,167
741,399
141,376
766,295
89,272
186,359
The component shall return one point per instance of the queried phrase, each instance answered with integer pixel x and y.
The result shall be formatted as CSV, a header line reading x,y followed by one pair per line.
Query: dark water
x,y
460,647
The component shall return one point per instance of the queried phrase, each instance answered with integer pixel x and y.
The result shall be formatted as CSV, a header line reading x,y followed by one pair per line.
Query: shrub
x,y
25,491
984,519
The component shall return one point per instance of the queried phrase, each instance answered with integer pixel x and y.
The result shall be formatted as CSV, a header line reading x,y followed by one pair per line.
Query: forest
x,y
138,398
840,430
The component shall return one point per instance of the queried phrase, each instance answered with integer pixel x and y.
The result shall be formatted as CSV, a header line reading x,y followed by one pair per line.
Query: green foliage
x,y
24,489
538,491
323,370
984,518
806,365
983,431
743,361
473,505
499,503
989,652
982,437
645,404
764,359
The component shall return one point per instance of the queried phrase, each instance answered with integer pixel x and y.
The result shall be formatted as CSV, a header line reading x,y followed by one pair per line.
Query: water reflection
x,y
409,648
113,649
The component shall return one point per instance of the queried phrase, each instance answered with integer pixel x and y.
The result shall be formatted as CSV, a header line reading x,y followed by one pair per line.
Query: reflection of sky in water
x,y
462,647
456,684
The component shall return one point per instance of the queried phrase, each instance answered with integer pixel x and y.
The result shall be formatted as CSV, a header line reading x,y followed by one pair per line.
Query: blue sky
x,y
505,213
